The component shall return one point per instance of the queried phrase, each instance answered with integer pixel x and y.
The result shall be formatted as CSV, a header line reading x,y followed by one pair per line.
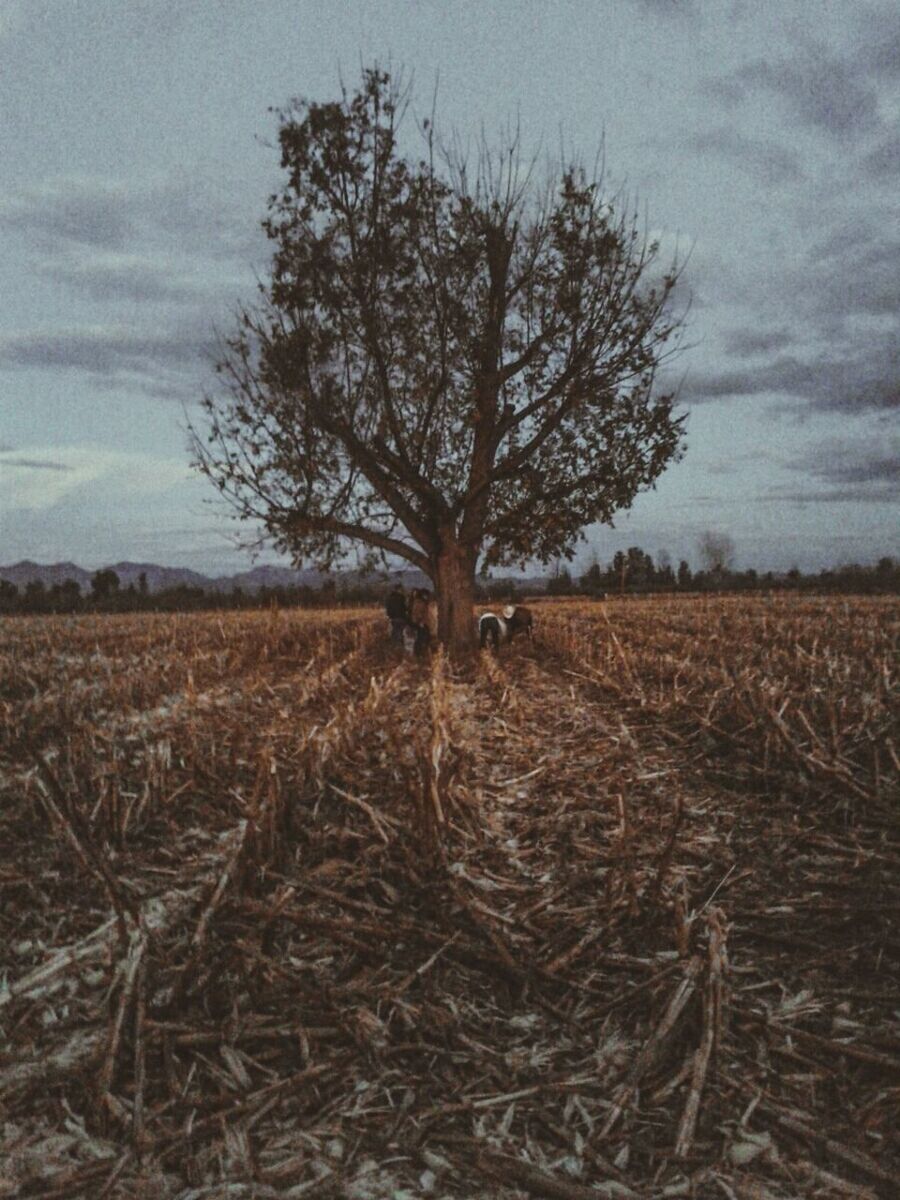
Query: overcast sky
x,y
137,156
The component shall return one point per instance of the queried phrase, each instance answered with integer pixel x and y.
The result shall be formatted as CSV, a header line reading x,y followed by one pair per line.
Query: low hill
x,y
25,572
159,578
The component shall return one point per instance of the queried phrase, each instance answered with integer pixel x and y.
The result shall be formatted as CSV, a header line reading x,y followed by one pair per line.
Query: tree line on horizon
x,y
635,572
628,573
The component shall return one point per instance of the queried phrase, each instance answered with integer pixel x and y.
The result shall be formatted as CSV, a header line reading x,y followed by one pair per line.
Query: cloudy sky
x,y
762,136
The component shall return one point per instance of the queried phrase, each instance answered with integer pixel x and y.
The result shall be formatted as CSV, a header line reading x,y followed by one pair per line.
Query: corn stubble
x,y
282,914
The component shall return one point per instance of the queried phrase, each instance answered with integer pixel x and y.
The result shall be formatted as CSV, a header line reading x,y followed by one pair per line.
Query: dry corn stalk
x,y
434,760
655,1043
713,1001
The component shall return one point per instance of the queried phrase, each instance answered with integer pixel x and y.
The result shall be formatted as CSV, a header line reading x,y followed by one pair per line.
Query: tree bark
x,y
454,581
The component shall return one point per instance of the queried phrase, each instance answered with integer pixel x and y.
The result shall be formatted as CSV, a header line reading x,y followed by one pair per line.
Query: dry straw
x,y
284,915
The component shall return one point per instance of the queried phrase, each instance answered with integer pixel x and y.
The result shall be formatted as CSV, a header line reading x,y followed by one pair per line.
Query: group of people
x,y
410,618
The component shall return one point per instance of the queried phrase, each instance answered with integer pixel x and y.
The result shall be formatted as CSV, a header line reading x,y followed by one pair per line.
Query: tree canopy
x,y
450,362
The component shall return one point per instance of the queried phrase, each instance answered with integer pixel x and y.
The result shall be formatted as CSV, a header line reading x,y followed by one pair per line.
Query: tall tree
x,y
104,584
9,596
640,566
449,363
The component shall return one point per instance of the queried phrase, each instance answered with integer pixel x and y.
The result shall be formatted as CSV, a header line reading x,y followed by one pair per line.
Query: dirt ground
x,y
385,929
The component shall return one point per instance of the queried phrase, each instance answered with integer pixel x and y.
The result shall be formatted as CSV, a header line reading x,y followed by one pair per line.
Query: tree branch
x,y
358,533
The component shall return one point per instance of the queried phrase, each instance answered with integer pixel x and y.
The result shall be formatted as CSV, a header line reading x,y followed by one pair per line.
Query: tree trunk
x,y
454,580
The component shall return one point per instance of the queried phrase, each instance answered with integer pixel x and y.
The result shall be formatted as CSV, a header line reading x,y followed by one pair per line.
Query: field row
x,y
60,674
806,686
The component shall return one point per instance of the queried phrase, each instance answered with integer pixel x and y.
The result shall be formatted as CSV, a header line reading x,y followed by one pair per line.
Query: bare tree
x,y
716,552
448,364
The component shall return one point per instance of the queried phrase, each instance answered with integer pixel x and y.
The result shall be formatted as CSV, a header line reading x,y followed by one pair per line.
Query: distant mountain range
x,y
160,578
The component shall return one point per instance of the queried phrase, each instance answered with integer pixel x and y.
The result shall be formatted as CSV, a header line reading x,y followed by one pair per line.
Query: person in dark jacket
x,y
419,614
395,607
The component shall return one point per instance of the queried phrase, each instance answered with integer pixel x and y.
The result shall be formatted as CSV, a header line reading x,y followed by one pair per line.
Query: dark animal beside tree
x,y
519,620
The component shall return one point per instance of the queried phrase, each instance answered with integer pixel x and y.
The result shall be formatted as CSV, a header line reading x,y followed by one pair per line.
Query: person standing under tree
x,y
395,607
419,603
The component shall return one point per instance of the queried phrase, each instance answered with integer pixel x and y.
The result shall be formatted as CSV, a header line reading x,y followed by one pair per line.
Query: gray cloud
x,y
162,244
771,162
725,89
99,349
855,269
883,163
182,387
206,219
837,347
89,214
875,462
176,240
833,91
867,380
170,365
125,279
861,470
34,464
880,52
107,214
747,342
667,8
823,90
843,496
737,464
878,468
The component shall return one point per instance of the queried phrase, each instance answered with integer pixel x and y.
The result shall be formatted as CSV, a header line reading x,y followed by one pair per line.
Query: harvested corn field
x,y
285,914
